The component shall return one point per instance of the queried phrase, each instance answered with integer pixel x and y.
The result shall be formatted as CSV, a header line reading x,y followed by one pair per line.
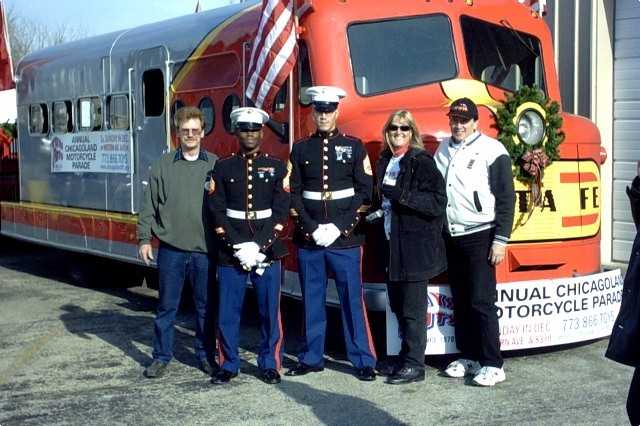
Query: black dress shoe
x,y
406,375
209,368
300,369
270,376
223,377
366,374
388,368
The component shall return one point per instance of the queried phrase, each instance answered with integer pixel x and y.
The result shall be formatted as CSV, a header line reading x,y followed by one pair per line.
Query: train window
x,y
38,119
304,73
230,103
118,110
280,102
174,108
207,108
400,53
502,56
153,93
89,114
62,117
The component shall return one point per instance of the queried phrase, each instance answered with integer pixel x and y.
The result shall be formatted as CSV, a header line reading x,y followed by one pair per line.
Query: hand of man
x,y
319,235
332,233
145,251
247,253
391,192
496,254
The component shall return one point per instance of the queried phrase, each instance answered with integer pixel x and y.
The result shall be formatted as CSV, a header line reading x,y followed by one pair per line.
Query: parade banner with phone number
x,y
532,313
91,152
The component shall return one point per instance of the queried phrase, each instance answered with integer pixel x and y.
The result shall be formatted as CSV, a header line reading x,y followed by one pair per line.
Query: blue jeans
x,y
174,267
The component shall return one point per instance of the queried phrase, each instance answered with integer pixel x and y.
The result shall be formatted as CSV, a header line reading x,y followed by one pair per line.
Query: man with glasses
x,y
480,207
250,204
173,212
331,179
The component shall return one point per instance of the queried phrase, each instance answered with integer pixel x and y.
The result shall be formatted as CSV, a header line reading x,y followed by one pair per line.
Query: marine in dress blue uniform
x,y
251,206
330,180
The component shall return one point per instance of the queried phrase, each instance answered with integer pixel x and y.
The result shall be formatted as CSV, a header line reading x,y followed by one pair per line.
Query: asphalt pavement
x,y
76,334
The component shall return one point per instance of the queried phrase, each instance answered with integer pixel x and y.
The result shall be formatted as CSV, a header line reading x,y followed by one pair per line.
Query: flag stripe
x,y
270,40
274,52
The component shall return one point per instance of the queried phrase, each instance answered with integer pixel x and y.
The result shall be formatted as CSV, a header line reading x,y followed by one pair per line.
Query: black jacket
x,y
624,343
248,183
326,163
416,245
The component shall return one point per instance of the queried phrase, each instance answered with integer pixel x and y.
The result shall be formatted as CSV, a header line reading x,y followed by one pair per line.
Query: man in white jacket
x,y
480,207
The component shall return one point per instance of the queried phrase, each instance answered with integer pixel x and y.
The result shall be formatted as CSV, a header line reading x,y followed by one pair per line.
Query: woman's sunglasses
x,y
393,128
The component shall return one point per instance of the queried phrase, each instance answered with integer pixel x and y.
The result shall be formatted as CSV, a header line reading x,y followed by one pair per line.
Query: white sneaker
x,y
489,376
462,367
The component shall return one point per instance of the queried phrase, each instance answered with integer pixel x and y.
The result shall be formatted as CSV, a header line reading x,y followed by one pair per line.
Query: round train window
x,y
230,103
206,106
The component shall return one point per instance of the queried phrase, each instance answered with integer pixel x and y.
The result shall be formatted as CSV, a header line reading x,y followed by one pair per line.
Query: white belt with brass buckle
x,y
329,195
252,214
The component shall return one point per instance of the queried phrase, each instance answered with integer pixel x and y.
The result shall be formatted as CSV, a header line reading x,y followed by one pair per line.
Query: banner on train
x,y
532,313
94,152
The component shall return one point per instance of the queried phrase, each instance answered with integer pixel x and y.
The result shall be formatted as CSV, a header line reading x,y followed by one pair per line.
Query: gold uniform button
x,y
325,186
249,205
325,140
250,196
326,148
326,167
250,161
325,158
325,177
250,177
249,186
250,168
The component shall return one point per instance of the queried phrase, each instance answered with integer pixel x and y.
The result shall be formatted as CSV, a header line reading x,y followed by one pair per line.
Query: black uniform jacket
x,y
328,162
624,343
249,183
416,245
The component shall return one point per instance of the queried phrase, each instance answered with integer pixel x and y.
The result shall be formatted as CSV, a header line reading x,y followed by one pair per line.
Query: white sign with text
x,y
91,152
532,313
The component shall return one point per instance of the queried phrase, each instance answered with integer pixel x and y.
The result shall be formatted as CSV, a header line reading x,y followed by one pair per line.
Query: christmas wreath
x,y
529,161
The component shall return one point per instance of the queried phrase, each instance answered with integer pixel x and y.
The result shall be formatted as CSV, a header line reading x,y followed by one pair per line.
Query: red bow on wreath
x,y
534,162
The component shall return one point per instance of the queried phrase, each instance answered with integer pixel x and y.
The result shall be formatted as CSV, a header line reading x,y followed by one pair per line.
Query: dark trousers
x,y
233,283
473,287
408,301
174,268
346,266
633,400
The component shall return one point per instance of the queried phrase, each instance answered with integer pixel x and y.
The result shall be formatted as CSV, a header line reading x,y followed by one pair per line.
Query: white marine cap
x,y
249,118
325,98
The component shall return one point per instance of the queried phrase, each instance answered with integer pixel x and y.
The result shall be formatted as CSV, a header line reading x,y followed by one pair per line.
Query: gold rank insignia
x,y
367,166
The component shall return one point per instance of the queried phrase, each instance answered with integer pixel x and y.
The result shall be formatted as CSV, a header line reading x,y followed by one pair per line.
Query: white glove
x,y
331,234
247,253
260,263
319,235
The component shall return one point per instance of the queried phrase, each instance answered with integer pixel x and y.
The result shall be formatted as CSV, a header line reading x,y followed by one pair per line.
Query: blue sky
x,y
103,16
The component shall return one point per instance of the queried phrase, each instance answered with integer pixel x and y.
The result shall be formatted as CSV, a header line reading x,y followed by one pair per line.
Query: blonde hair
x,y
188,113
416,140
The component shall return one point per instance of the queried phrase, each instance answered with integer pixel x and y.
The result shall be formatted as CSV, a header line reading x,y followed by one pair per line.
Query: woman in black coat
x,y
412,201
624,344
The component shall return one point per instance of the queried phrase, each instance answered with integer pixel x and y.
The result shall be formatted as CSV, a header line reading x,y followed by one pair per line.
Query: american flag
x,y
274,52
6,66
538,6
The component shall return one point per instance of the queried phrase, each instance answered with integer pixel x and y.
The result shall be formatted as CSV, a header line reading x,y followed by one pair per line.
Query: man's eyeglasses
x,y
393,128
189,132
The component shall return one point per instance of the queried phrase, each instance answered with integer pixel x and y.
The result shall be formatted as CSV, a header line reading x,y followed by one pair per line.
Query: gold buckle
x,y
327,195
251,215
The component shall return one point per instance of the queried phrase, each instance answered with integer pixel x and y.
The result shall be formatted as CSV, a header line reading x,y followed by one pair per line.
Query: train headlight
x,y
531,127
